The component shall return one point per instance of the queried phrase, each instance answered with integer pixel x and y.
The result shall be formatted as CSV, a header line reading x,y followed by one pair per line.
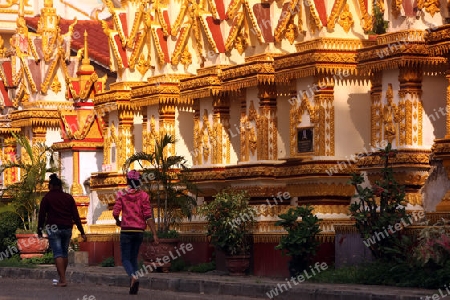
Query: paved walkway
x,y
223,286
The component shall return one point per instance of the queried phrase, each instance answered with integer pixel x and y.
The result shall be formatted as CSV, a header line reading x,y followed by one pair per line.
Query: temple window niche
x,y
302,132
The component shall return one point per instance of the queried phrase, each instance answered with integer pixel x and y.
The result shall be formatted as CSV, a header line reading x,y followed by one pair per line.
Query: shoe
x,y
134,288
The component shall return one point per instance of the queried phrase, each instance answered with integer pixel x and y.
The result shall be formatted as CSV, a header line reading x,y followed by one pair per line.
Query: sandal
x,y
134,288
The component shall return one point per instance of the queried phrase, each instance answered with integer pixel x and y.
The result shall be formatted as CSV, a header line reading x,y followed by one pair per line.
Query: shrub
x,y
203,267
9,222
300,242
108,262
379,208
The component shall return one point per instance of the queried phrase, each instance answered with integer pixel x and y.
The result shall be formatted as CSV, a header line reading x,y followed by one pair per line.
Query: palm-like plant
x,y
25,195
166,180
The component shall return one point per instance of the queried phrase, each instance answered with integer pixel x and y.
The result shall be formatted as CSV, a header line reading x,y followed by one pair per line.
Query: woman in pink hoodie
x,y
136,215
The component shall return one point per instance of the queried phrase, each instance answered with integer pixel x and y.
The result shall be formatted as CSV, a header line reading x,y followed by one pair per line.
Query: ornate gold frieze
x,y
78,144
318,189
324,55
395,50
35,117
410,157
207,83
103,180
294,169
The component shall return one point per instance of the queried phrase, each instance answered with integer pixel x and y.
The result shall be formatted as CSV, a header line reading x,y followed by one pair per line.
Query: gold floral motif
x,y
346,18
186,58
143,64
430,6
56,85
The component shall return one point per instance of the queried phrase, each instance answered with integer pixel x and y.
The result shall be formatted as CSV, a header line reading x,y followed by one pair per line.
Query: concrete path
x,y
213,285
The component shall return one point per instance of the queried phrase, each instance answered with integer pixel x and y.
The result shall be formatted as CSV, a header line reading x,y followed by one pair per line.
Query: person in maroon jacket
x,y
59,212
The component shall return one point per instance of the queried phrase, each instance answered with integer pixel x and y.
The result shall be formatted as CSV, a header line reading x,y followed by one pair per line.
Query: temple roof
x,y
97,40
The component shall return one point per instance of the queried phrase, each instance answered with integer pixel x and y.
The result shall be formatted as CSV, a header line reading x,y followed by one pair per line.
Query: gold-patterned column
x,y
125,143
375,109
76,188
447,121
10,154
197,153
323,99
106,141
267,124
244,136
167,123
81,200
221,126
410,106
39,134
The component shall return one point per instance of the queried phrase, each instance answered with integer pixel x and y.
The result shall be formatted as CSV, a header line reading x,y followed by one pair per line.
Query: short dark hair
x,y
55,181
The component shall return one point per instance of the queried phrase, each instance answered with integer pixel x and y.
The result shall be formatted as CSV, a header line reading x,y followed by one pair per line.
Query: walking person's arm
x,y
77,220
148,215
42,216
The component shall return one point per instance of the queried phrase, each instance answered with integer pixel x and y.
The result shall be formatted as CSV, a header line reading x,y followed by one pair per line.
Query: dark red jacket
x,y
59,208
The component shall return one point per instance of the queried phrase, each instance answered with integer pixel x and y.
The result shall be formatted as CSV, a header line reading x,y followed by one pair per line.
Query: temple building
x,y
283,99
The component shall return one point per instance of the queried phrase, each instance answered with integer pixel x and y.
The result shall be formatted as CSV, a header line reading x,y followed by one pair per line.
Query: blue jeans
x,y
59,241
129,247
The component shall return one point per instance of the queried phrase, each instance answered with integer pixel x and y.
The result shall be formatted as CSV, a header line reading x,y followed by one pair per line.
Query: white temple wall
x,y
90,162
234,131
67,169
283,118
434,109
351,117
184,125
137,132
52,136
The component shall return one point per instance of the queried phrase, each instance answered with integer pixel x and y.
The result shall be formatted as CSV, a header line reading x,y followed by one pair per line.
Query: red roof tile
x,y
98,44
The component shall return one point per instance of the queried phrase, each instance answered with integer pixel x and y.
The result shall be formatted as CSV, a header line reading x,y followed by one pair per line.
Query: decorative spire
x,y
86,60
21,9
48,3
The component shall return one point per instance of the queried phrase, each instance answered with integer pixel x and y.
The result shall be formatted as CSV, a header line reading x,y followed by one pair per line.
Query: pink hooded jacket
x,y
135,207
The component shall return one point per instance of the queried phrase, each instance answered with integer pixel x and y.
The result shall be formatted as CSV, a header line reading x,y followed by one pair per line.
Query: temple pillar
x,y
221,126
266,123
167,124
248,135
10,153
376,108
324,130
39,134
410,106
197,152
441,147
76,188
125,144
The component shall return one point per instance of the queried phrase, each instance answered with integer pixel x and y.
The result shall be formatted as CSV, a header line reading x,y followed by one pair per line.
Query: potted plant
x,y
26,194
230,220
300,242
165,178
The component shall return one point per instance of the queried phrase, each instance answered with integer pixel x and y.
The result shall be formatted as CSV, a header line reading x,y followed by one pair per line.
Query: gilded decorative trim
x,y
135,26
314,15
337,7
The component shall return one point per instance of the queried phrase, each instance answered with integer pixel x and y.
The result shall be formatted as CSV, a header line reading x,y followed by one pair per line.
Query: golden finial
x,y
48,3
86,60
21,9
